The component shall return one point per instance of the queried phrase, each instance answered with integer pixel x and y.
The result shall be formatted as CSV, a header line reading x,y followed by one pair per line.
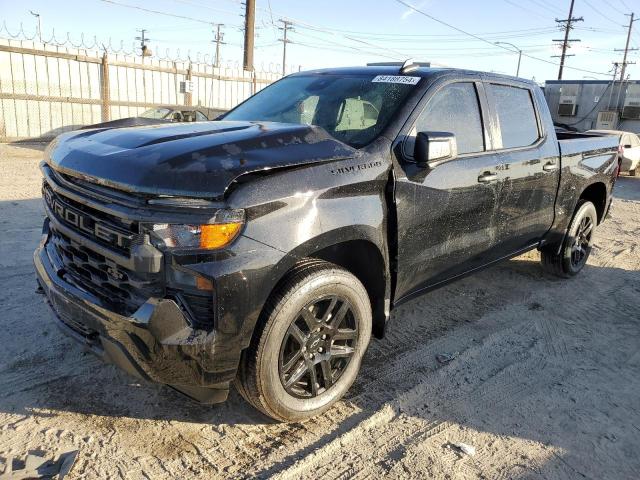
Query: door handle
x,y
550,167
487,177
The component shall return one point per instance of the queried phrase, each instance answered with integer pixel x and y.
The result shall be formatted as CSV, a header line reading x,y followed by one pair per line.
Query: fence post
x,y
254,82
104,92
187,94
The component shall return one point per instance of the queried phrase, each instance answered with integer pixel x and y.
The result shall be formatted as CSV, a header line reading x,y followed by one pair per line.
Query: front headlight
x,y
219,232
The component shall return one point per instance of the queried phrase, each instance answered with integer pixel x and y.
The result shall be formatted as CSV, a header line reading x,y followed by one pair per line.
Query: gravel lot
x,y
545,383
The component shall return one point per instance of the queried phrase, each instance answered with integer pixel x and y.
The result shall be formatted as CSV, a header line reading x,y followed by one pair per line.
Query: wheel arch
x,y
360,251
596,193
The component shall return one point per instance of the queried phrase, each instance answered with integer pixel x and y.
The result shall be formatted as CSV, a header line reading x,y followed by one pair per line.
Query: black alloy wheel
x,y
308,344
317,347
582,243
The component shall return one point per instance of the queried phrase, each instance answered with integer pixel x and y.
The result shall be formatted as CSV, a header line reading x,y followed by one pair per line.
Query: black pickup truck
x,y
264,249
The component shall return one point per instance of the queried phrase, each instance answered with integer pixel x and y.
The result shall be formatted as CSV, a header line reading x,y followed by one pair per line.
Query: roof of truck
x,y
395,70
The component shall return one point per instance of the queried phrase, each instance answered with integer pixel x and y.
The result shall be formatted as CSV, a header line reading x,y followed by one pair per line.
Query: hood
x,y
128,122
193,160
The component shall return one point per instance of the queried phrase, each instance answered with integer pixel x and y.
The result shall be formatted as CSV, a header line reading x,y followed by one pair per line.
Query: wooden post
x,y
254,83
187,94
104,93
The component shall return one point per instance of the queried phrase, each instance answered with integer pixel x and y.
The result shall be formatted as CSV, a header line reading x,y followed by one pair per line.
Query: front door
x,y
446,215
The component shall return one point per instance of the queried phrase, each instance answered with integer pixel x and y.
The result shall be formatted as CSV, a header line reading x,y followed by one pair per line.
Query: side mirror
x,y
434,148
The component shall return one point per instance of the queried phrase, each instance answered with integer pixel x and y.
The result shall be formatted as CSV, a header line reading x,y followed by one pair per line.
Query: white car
x,y
628,151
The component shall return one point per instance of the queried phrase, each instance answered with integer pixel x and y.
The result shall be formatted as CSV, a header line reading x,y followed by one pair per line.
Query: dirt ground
x,y
545,383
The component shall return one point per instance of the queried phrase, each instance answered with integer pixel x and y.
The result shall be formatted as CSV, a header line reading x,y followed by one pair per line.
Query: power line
x,y
624,4
157,12
600,13
207,7
547,6
528,10
613,7
477,37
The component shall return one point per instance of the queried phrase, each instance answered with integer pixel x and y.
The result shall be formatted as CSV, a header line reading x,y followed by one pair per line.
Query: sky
x,y
330,33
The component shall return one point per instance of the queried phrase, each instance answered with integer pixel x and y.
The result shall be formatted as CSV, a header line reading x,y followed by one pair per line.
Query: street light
x,y
519,54
37,15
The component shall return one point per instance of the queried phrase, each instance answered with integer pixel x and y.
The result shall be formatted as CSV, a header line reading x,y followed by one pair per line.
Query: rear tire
x,y
308,345
576,246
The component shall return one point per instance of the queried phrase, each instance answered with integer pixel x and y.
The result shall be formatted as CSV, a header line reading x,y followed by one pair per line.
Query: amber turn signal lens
x,y
218,235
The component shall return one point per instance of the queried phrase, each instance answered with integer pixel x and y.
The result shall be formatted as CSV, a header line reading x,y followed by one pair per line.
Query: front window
x,y
353,109
157,113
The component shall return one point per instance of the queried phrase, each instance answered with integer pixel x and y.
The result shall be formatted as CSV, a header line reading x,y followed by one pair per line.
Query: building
x,y
595,104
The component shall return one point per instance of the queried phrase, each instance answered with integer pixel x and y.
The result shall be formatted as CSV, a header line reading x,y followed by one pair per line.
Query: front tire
x,y
576,246
308,345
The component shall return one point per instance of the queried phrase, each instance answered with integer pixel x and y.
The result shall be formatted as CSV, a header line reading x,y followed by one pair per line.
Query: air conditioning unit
x,y
631,108
568,104
607,120
567,109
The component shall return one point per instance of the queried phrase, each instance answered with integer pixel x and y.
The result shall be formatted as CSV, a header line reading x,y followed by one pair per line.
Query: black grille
x,y
113,284
89,217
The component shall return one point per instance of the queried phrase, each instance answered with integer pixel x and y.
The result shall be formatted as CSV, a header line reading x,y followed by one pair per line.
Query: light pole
x,y
519,54
37,15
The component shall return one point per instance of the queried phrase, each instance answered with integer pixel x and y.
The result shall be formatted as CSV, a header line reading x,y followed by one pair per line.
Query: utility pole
x,y
613,83
626,47
143,42
249,29
566,40
286,26
218,41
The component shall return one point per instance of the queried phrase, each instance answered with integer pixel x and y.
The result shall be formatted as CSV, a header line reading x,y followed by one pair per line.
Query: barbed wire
x,y
94,44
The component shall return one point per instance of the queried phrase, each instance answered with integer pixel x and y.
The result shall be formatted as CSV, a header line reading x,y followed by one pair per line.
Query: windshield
x,y
353,109
155,113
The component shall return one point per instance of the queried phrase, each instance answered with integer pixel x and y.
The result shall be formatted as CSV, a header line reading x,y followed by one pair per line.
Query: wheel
x,y
633,172
308,345
576,246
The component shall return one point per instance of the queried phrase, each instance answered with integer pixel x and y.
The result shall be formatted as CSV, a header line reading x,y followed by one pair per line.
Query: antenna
x,y
409,66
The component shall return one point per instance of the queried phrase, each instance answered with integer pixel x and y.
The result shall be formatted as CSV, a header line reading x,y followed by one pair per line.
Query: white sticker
x,y
396,79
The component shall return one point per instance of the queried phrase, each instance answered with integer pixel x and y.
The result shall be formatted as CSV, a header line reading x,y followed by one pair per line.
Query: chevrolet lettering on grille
x,y
85,223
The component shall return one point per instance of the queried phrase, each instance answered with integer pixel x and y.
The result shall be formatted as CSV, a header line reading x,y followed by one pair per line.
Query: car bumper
x,y
155,343
627,164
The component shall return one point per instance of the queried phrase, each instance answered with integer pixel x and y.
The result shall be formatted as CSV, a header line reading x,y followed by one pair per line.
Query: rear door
x,y
446,215
529,162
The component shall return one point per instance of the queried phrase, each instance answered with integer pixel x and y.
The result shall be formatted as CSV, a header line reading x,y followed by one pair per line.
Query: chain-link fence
x,y
47,89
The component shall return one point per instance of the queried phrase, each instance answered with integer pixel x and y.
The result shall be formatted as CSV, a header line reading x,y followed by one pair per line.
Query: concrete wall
x,y
593,97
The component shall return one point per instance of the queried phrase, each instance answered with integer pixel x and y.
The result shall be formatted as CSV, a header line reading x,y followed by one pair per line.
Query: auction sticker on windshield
x,y
396,79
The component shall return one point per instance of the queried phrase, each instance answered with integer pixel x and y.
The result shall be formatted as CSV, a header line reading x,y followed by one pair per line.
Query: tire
x,y
286,350
633,172
576,246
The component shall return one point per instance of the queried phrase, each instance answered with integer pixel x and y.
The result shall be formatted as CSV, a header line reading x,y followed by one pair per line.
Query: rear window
x,y
516,116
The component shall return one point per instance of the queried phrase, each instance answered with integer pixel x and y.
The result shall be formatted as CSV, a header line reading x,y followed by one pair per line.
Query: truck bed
x,y
572,143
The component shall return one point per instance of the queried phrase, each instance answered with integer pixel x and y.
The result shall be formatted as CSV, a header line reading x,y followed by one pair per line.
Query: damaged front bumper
x,y
155,343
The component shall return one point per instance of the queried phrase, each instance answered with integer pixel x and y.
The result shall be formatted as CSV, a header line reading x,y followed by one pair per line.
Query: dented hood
x,y
195,160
